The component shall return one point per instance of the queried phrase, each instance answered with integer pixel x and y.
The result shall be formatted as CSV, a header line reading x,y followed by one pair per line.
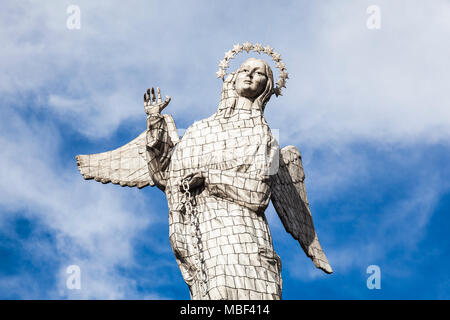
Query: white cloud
x,y
350,83
347,82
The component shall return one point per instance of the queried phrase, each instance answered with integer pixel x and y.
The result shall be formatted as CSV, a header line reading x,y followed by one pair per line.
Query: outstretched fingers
x,y
165,103
159,95
153,102
153,95
147,98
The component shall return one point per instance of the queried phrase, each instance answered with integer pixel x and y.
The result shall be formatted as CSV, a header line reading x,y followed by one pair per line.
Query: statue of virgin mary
x,y
218,179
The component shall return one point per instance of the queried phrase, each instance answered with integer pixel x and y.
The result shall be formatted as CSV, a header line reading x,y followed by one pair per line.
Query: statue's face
x,y
251,79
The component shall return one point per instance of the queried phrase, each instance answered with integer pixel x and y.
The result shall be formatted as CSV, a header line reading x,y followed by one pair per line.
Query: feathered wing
x,y
290,202
126,165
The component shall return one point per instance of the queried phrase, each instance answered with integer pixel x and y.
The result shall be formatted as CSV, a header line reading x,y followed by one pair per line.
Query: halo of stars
x,y
257,47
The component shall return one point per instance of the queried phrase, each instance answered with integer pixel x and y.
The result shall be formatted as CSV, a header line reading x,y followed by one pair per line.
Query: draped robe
x,y
235,149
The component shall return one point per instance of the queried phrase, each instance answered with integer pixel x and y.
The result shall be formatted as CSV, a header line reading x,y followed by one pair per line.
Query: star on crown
x,y
268,50
276,57
221,73
281,65
281,83
223,64
247,46
277,91
237,48
229,55
258,48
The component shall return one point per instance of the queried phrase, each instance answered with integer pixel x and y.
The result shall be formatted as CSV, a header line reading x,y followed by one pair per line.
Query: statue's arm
x,y
159,149
246,189
161,137
250,189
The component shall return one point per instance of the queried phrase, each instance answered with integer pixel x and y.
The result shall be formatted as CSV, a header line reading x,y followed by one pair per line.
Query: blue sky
x,y
368,109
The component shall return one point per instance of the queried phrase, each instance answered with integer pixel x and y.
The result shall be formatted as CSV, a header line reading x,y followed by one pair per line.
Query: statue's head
x,y
253,78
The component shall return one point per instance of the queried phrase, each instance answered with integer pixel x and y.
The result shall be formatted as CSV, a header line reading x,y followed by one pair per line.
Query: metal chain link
x,y
191,210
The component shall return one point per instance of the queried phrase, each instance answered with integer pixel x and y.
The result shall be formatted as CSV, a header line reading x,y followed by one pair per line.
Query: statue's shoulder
x,y
203,123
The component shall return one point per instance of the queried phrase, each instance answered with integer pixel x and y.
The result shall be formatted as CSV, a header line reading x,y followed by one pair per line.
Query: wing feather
x,y
126,166
291,203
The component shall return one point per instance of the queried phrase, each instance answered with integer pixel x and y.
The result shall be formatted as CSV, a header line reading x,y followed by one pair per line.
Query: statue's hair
x,y
229,94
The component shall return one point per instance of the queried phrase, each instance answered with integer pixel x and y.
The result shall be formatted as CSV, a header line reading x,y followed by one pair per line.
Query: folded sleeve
x,y
159,148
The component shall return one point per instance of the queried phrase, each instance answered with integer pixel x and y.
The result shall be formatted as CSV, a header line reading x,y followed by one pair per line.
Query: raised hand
x,y
153,104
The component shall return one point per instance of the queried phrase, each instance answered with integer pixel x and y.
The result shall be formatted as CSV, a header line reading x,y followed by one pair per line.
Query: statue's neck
x,y
244,103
